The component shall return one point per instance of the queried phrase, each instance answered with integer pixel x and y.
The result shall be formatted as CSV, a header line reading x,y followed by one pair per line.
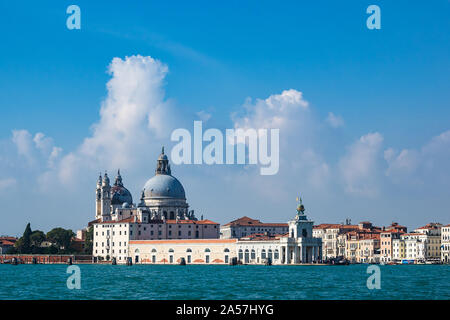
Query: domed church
x,y
162,198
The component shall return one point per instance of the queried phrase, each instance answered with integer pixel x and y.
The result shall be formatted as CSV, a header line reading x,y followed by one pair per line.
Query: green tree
x,y
37,237
61,237
88,244
23,245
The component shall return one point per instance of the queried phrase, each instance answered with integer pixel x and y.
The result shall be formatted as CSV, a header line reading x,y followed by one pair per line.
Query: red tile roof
x,y
246,221
6,243
191,222
7,238
183,241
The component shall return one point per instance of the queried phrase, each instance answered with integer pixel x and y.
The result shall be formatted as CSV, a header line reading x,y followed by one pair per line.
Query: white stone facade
x,y
445,244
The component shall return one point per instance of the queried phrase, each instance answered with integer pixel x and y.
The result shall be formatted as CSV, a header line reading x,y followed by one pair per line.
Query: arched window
x,y
153,250
136,251
270,254
246,256
188,250
263,253
226,250
207,250
276,255
165,214
172,215
253,254
171,250
240,254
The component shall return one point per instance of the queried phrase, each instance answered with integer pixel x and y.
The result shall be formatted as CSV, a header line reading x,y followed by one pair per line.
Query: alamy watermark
x,y
233,145
74,20
374,20
374,280
74,280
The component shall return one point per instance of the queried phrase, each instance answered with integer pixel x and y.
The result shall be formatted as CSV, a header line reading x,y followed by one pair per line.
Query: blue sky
x,y
391,82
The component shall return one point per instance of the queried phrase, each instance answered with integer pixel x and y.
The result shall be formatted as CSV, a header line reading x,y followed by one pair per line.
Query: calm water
x,y
224,282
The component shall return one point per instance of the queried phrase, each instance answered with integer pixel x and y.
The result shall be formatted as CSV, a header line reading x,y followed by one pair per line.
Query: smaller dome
x,y
120,195
125,205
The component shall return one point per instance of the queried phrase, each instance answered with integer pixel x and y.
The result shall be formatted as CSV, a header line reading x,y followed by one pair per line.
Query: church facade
x,y
162,213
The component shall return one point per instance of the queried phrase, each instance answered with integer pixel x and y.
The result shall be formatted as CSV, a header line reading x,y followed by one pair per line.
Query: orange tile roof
x,y
130,219
260,237
6,243
246,221
9,238
183,241
206,221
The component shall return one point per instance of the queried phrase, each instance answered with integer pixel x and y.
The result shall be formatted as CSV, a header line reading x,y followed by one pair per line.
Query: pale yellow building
x,y
445,244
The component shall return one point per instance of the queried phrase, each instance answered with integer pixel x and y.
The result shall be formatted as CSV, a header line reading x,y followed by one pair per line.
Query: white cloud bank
x,y
136,119
132,117
359,166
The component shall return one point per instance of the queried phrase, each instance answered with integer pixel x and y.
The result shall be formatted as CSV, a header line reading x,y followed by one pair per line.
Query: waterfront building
x,y
6,243
296,246
246,226
432,245
162,213
363,246
445,244
333,238
193,251
414,246
424,244
398,250
387,238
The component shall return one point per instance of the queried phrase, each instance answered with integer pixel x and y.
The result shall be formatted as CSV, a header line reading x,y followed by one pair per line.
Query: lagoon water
x,y
224,282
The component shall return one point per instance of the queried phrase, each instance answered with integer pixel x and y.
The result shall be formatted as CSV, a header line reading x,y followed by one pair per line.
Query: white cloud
x,y
23,141
334,121
133,116
203,115
359,167
7,183
429,164
38,150
278,111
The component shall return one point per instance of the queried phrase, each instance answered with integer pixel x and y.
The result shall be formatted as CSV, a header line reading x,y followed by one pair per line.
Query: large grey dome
x,y
164,186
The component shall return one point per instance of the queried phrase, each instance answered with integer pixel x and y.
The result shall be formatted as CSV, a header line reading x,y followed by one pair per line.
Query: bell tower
x,y
105,198
98,197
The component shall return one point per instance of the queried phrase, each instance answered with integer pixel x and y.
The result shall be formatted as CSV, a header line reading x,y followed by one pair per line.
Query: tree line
x,y
56,241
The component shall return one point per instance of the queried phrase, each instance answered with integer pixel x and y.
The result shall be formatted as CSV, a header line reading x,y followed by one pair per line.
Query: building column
x,y
287,255
295,251
300,252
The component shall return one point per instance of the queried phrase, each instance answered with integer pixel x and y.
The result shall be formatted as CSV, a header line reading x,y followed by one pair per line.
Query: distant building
x,y
387,238
162,213
295,247
363,246
424,244
6,243
445,244
432,242
333,238
246,226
